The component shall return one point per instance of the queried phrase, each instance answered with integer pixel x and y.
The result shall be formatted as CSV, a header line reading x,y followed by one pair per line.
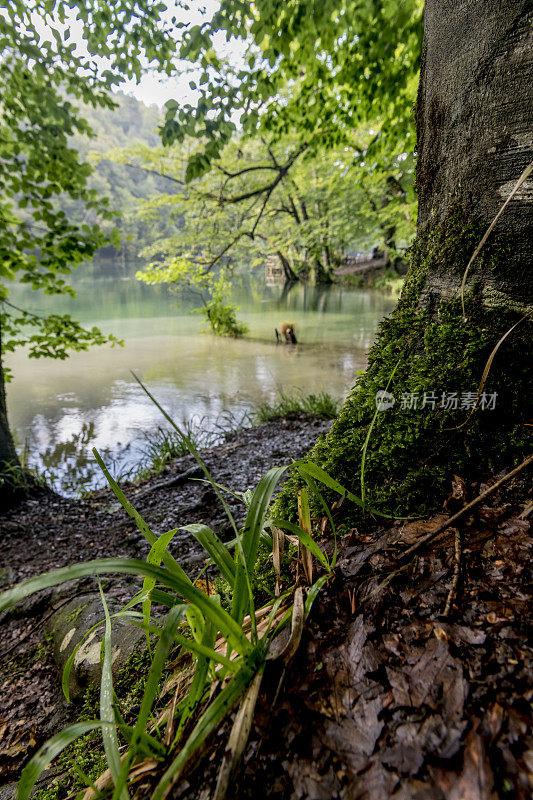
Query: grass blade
x,y
192,450
52,748
255,519
107,714
164,644
209,720
215,548
196,621
304,538
238,737
148,534
155,556
312,593
130,566
67,669
317,493
199,649
367,438
257,513
523,177
304,515
321,475
199,680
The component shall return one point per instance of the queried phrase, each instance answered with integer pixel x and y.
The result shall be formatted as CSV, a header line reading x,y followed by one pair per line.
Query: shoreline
x,y
52,531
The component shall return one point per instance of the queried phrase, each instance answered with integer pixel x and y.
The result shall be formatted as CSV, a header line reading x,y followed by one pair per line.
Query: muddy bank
x,y
51,531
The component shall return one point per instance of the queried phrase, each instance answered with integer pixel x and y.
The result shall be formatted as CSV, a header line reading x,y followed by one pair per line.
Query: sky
x,y
155,88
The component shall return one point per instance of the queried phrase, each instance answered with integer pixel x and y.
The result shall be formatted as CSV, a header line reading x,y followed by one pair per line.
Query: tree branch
x,y
155,172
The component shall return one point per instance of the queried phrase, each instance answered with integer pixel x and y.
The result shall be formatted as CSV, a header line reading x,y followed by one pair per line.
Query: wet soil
x,y
51,531
413,677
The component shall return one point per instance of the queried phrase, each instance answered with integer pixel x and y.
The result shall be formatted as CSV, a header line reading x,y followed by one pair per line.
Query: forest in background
x,y
331,205
130,123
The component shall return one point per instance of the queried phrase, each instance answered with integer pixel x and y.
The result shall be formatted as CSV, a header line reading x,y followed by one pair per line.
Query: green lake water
x,y
59,410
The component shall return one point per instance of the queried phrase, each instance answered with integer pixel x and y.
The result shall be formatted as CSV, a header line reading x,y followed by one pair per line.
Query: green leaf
x,y
155,556
309,468
107,714
196,621
257,513
215,548
210,609
305,539
198,684
168,560
151,688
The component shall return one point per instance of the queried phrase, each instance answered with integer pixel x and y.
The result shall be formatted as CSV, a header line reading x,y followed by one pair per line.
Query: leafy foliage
x,y
44,80
320,69
130,123
276,201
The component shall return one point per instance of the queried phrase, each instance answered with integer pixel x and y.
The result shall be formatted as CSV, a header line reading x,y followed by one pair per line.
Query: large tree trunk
x,y
474,141
8,454
9,462
474,130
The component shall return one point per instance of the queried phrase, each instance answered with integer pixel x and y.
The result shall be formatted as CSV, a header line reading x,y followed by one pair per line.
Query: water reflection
x,y
60,410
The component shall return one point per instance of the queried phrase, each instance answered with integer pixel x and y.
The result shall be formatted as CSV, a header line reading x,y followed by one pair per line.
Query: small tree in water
x,y
180,272
219,313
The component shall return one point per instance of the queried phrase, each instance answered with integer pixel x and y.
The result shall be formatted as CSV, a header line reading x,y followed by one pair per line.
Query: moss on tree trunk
x,y
474,140
436,361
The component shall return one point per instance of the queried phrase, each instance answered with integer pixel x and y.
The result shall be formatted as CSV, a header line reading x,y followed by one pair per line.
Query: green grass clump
x,y
194,622
316,405
163,445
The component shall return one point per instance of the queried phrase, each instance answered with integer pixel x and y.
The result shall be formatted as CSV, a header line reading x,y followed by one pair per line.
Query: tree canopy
x,y
44,81
300,145
279,200
322,69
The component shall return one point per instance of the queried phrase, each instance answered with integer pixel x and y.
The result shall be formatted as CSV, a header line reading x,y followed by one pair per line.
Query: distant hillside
x,y
130,123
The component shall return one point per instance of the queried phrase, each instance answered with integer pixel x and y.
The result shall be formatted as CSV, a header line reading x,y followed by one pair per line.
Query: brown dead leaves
x,y
393,702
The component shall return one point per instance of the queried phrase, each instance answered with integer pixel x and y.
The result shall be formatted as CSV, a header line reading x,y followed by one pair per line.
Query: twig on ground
x,y
479,499
183,477
452,594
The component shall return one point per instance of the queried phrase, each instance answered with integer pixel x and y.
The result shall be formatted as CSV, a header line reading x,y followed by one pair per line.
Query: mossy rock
x,y
71,626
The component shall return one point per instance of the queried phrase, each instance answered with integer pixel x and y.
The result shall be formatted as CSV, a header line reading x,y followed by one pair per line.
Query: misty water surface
x,y
59,410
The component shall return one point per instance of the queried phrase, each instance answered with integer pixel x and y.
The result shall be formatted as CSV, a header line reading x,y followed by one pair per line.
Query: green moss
x,y
412,453
85,756
74,614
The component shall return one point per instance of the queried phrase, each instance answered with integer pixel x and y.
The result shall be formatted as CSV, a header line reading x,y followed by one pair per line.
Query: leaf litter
x,y
387,698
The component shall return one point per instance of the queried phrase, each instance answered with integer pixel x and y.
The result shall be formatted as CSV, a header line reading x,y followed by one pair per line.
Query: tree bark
x,y
290,275
8,454
474,127
9,490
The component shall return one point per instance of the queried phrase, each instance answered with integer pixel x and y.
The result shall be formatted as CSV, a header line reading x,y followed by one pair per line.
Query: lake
x,y
59,410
